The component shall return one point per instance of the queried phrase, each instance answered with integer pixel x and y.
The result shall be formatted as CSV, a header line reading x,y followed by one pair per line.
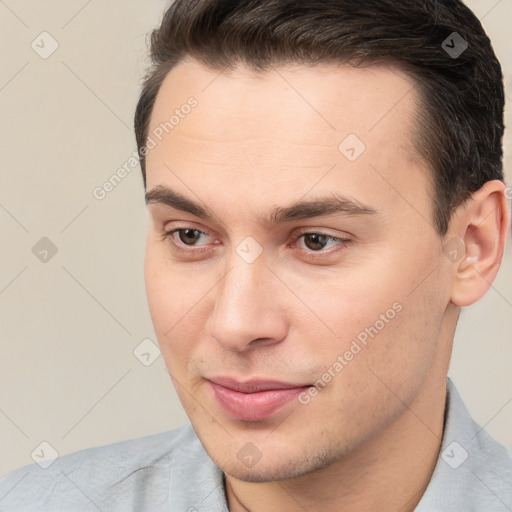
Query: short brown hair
x,y
461,120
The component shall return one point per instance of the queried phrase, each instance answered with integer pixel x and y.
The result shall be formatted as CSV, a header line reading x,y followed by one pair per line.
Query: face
x,y
291,239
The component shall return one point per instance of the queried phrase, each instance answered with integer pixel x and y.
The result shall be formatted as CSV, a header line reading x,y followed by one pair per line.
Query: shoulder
x,y
474,471
114,475
487,466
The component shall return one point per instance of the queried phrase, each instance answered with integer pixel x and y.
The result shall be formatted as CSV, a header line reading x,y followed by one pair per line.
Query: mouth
x,y
253,400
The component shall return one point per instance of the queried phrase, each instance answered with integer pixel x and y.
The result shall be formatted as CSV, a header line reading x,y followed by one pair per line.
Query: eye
x,y
189,236
315,243
185,237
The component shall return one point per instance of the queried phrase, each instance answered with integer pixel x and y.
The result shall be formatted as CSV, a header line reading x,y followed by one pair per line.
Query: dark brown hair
x,y
460,122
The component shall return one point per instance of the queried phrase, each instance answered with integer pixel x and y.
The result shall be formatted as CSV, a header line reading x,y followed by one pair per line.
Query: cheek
x,y
172,290
384,360
177,300
380,314
345,302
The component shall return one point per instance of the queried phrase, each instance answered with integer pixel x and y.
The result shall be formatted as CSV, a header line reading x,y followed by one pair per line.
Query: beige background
x,y
68,375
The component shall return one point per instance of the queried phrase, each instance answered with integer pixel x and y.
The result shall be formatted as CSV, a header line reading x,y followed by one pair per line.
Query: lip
x,y
253,400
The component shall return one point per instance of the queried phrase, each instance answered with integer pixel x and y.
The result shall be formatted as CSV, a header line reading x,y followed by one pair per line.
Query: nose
x,y
248,312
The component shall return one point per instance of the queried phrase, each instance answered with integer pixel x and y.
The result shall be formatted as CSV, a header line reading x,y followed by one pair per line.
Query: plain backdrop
x,y
70,321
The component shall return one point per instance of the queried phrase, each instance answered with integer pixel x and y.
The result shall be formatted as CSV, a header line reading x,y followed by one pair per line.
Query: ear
x,y
483,226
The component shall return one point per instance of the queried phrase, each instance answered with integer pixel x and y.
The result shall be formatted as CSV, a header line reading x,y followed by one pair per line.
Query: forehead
x,y
284,128
332,99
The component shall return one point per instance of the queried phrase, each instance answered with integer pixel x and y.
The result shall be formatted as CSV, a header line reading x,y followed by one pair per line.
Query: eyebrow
x,y
301,210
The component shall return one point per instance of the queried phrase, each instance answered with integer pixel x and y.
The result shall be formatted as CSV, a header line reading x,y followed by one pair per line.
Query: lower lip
x,y
253,406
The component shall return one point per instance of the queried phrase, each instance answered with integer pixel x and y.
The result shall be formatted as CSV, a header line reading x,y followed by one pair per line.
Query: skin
x,y
369,440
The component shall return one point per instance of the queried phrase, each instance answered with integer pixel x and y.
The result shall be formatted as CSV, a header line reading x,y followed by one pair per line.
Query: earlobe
x,y
483,229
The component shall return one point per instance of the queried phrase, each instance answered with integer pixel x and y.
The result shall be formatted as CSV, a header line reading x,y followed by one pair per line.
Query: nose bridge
x,y
246,306
242,293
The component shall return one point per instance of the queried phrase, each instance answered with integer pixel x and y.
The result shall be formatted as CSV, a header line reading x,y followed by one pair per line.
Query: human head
x,y
265,136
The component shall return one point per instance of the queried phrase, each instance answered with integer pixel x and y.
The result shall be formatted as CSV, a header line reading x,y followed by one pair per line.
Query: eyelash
x,y
168,235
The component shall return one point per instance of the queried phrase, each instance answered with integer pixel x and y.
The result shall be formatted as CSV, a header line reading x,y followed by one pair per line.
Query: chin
x,y
295,466
263,473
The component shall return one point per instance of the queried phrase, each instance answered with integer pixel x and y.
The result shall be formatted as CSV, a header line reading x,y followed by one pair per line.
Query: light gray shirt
x,y
171,471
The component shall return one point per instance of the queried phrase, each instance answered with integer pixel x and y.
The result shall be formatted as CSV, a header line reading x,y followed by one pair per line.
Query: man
x,y
325,189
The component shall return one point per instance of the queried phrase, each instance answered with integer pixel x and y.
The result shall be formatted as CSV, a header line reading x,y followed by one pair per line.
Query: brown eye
x,y
316,241
187,240
314,244
189,236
